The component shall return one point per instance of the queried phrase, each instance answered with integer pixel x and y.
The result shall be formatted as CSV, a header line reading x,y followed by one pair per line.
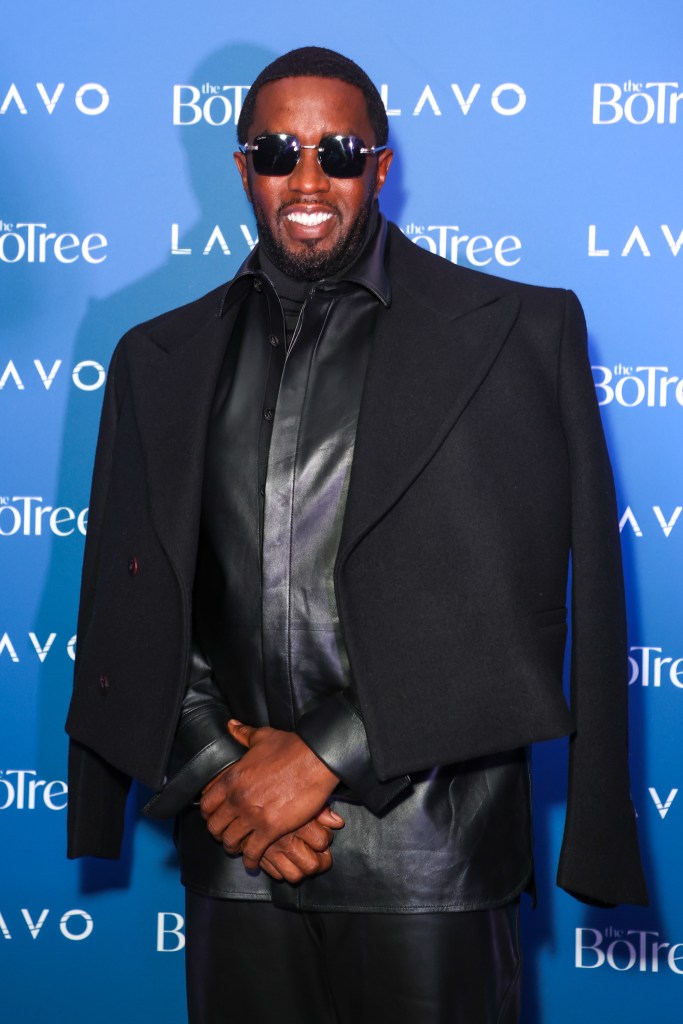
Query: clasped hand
x,y
270,806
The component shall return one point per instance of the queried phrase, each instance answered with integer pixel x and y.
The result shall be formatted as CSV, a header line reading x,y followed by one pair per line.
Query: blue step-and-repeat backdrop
x,y
542,141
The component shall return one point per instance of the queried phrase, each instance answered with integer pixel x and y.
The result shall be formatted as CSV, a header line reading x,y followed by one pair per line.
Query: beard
x,y
313,263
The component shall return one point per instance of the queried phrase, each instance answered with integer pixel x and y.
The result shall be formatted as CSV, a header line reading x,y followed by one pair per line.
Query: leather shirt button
x,y
258,284
268,414
274,340
262,491
132,566
104,685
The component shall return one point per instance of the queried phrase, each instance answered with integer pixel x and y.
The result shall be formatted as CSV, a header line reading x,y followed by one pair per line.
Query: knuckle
x,y
320,843
250,851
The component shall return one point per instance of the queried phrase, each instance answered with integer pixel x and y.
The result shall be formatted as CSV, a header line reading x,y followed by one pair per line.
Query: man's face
x,y
305,246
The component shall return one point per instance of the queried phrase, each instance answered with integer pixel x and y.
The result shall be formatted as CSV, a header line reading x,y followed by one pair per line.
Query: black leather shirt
x,y
269,646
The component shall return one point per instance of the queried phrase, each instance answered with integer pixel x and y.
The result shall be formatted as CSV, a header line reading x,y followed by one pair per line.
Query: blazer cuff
x,y
335,732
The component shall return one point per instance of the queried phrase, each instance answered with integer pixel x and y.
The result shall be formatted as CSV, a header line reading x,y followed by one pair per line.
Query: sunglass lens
x,y
341,156
276,155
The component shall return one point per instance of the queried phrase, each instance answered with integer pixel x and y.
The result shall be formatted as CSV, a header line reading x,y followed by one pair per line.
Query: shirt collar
x,y
368,270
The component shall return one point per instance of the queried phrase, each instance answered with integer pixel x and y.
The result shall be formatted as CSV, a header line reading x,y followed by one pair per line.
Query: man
x,y
324,586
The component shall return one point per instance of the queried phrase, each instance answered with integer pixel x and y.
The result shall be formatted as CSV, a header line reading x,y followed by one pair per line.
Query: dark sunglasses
x,y
340,156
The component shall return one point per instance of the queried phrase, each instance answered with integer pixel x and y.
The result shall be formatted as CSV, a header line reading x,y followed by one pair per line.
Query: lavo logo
x,y
630,386
663,806
27,518
74,925
506,99
629,519
622,950
21,790
639,107
636,242
26,241
215,238
42,650
91,99
478,250
170,935
87,375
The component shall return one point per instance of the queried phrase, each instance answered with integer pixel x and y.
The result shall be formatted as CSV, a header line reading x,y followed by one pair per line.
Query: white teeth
x,y
308,219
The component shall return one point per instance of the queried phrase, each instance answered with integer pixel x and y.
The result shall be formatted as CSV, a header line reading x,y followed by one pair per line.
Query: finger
x,y
330,818
255,845
240,732
212,798
315,835
235,835
294,872
293,859
299,853
218,822
269,867
289,871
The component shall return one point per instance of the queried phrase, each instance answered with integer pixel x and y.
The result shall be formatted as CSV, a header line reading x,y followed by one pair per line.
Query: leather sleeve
x,y
600,860
202,746
334,730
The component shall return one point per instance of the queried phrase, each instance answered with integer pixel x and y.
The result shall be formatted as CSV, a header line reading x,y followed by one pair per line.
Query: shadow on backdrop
x,y
208,155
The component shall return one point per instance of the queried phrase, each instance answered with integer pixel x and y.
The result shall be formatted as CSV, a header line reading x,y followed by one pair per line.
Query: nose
x,y
308,176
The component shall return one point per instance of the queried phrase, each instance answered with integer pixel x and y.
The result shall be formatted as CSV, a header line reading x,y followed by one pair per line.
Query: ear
x,y
241,163
383,164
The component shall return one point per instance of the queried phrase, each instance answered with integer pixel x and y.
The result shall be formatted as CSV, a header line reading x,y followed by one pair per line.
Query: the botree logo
x,y
22,790
636,102
31,242
626,949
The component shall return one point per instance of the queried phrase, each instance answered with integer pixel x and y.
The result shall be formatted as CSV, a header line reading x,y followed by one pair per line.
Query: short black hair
x,y
316,62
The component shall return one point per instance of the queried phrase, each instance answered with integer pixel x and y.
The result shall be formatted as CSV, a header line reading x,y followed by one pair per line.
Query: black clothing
x,y
266,620
254,961
479,462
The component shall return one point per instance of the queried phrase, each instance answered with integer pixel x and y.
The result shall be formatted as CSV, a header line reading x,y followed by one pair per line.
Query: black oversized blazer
x,y
479,463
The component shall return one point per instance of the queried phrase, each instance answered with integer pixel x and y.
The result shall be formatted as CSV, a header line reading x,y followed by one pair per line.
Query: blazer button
x,y
274,340
132,566
104,685
268,414
258,284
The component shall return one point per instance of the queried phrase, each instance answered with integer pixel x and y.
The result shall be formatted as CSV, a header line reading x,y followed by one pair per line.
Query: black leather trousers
x,y
262,963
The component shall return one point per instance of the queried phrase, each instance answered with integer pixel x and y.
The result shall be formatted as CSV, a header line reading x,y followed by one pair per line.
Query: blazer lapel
x,y
172,393
423,370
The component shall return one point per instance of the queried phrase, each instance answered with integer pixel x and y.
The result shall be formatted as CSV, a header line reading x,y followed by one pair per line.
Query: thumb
x,y
241,732
330,818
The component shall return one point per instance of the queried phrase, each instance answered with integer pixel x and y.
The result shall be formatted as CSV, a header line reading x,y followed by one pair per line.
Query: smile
x,y
309,220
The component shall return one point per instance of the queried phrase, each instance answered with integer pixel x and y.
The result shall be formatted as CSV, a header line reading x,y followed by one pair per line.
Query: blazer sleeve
x,y
97,791
600,859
